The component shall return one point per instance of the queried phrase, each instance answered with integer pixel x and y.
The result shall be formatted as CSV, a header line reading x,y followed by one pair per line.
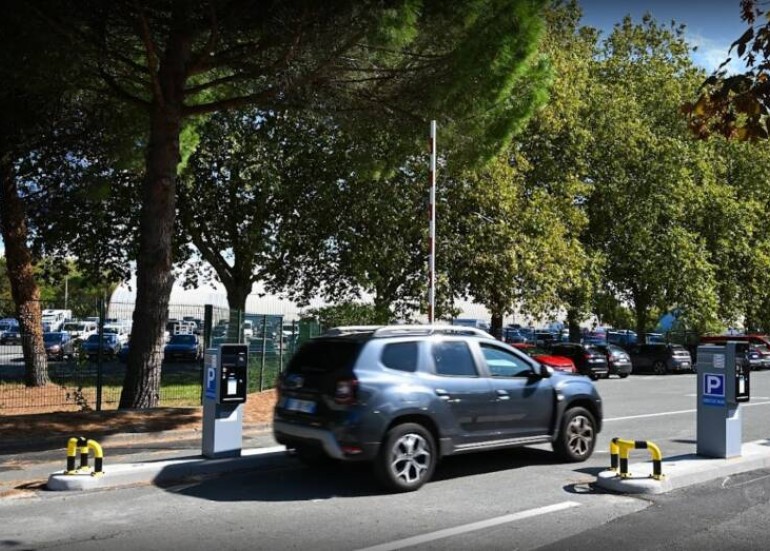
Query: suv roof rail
x,y
351,329
396,330
399,330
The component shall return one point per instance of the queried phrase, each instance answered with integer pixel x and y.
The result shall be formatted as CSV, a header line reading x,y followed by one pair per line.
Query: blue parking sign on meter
x,y
210,388
713,389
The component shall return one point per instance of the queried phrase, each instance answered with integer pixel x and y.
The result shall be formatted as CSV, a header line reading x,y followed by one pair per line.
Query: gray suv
x,y
402,397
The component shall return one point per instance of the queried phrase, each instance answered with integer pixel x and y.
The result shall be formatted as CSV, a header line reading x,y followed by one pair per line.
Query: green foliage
x,y
645,175
347,313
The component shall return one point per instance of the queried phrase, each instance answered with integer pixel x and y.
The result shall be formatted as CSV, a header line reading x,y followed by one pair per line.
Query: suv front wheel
x,y
577,436
407,458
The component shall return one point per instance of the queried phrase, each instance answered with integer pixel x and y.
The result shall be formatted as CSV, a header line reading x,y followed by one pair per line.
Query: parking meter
x,y
723,383
742,374
225,377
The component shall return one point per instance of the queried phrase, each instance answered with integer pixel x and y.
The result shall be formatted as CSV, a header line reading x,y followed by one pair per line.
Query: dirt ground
x,y
14,426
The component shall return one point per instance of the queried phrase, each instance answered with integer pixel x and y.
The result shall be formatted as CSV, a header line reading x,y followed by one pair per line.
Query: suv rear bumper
x,y
292,435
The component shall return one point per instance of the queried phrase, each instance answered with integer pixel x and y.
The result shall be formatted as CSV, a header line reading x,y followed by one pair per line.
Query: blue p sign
x,y
714,385
211,381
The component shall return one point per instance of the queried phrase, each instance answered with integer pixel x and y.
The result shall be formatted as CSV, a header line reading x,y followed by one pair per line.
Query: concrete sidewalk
x,y
129,458
686,470
167,456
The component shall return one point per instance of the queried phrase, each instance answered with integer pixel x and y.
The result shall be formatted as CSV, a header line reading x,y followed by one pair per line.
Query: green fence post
x,y
264,348
99,357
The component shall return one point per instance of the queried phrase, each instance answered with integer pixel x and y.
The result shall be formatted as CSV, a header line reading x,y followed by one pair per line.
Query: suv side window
x,y
453,358
502,363
401,356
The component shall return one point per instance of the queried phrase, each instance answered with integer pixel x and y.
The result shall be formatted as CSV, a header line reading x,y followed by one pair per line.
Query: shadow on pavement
x,y
279,477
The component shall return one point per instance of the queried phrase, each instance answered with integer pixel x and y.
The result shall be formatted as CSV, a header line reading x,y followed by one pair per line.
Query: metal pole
x,y
432,228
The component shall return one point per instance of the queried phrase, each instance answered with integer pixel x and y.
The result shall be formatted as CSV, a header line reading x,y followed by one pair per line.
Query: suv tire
x,y
407,458
577,435
659,368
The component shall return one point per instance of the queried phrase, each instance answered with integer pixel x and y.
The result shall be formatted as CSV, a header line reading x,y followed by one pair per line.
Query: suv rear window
x,y
453,358
325,356
401,356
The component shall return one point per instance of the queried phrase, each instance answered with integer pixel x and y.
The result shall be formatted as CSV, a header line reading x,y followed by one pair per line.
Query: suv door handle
x,y
503,394
443,394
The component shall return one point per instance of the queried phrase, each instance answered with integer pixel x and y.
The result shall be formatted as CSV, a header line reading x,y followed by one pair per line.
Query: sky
x,y
711,25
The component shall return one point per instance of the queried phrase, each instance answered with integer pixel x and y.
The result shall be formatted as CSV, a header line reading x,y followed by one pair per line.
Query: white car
x,y
117,329
80,330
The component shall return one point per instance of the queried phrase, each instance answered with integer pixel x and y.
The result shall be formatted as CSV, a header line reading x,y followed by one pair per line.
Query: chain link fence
x,y
85,358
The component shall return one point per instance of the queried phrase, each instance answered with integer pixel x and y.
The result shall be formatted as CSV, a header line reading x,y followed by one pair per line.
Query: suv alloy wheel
x,y
407,458
577,436
659,368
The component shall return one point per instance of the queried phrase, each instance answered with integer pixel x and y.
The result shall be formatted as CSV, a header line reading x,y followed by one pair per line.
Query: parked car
x,y
80,329
123,352
660,358
594,338
618,360
514,335
754,357
545,338
59,345
109,343
402,397
621,337
588,359
183,347
560,363
10,333
117,329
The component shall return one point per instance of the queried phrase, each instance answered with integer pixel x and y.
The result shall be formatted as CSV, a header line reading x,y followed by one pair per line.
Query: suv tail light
x,y
345,391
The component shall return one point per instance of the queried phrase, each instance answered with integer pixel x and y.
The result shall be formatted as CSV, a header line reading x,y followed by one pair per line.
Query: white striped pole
x,y
432,227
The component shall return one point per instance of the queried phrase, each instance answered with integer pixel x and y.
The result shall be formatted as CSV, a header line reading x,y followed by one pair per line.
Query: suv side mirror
x,y
543,371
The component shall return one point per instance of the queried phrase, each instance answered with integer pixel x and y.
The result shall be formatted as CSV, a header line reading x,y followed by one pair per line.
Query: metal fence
x,y
83,378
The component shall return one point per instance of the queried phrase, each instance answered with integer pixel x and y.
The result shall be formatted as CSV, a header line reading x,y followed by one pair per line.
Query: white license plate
x,y
303,406
685,364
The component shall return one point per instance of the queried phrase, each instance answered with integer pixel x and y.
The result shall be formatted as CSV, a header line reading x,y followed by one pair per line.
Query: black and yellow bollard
x,y
624,448
614,454
80,443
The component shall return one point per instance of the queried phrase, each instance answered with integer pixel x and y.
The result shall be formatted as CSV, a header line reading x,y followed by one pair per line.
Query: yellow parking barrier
x,y
80,443
622,449
614,454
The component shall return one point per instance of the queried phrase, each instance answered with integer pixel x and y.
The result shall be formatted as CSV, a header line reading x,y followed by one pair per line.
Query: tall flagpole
x,y
432,227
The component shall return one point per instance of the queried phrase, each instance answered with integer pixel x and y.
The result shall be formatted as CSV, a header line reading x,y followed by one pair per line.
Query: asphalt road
x,y
517,499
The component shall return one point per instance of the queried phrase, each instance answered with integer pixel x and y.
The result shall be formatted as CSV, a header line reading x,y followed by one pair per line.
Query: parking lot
x,y
520,498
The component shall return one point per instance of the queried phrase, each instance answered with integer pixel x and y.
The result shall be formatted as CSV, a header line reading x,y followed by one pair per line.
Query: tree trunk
x,y
154,279
382,310
497,325
640,316
24,289
237,293
573,324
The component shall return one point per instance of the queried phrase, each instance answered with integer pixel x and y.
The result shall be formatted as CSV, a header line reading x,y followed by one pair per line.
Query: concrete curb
x,y
160,471
686,470
12,447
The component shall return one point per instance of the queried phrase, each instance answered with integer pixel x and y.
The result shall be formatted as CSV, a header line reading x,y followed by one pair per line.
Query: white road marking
x,y
458,530
663,413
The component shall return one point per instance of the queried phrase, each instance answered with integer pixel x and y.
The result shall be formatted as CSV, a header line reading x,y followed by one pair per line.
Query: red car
x,y
560,363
